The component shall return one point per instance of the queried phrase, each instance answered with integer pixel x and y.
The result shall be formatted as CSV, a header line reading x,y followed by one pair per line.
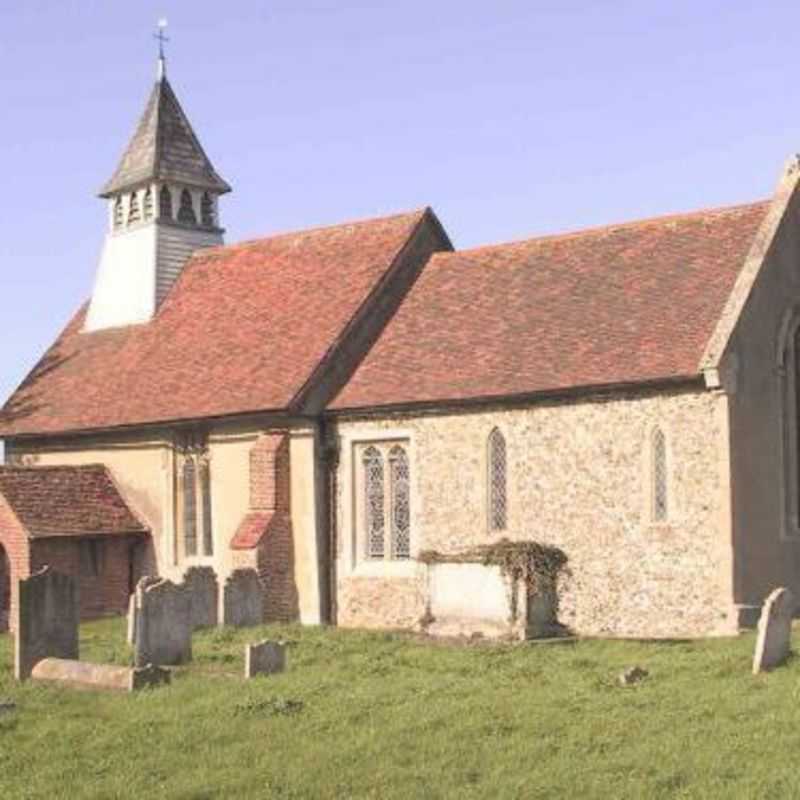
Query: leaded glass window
x,y
399,502
189,508
374,522
660,490
205,489
186,210
498,497
165,203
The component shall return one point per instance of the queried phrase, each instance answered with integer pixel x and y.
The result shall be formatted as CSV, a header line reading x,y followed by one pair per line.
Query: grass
x,y
388,716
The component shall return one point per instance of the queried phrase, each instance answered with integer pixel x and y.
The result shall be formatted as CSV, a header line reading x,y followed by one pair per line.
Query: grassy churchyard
x,y
386,715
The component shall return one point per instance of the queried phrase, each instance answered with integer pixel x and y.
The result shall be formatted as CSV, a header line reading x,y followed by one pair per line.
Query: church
x,y
333,405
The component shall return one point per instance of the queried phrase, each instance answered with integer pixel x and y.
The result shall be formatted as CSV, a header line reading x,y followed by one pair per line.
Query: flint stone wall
x,y
243,599
579,478
47,618
774,641
163,624
201,583
264,658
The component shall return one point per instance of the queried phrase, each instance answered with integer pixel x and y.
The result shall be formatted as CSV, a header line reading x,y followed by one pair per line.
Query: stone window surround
x,y
788,387
197,450
648,471
493,531
352,559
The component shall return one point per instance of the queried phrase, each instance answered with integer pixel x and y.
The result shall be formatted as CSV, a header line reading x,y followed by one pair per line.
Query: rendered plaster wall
x,y
580,478
757,373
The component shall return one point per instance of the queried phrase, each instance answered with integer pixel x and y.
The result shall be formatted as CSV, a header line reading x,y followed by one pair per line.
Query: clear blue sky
x,y
510,118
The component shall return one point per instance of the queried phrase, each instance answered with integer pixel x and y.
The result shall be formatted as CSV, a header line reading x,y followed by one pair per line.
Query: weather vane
x,y
162,37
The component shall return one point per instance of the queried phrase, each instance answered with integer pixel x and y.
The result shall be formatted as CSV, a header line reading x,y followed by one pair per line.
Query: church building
x,y
332,406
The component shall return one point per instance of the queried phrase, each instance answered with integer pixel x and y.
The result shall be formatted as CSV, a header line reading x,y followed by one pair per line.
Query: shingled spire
x,y
162,207
164,148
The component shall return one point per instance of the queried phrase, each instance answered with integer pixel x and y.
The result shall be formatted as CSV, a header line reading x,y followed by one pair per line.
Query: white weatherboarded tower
x,y
162,206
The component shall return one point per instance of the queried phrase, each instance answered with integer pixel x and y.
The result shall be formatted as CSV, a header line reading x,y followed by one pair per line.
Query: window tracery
x,y
498,497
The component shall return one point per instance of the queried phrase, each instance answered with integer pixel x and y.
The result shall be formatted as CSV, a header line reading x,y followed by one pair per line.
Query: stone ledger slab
x,y
47,618
81,674
264,658
774,640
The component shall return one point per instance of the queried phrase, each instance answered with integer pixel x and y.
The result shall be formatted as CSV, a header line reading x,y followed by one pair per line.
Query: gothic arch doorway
x,y
5,589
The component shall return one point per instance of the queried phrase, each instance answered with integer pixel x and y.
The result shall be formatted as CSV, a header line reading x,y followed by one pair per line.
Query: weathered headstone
x,y
47,618
134,604
243,599
204,590
83,675
774,640
264,658
163,624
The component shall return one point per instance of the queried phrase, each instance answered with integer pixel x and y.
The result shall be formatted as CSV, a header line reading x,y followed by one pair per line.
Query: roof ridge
x,y
247,243
613,227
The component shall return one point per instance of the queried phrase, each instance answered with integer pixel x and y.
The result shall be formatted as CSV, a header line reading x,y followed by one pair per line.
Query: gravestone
x,y
163,624
774,631
243,599
134,604
83,675
47,618
204,590
264,658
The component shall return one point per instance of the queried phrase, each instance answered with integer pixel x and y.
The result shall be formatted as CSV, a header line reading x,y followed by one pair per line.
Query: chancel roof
x,y
164,147
67,501
622,304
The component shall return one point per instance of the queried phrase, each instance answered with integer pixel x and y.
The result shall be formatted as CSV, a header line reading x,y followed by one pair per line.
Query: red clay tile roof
x,y
242,330
621,304
67,501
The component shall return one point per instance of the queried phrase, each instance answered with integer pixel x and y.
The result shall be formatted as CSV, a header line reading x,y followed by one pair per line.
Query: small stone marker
x,y
163,623
47,617
774,641
632,675
201,583
81,674
264,658
243,599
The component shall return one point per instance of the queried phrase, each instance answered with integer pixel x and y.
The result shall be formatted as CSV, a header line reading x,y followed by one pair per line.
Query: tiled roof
x,y
253,528
67,501
243,329
164,147
621,304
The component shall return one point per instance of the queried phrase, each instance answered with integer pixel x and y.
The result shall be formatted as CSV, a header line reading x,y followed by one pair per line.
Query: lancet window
x,y
497,478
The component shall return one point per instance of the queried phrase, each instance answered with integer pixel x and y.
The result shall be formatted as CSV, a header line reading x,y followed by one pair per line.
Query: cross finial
x,y
162,37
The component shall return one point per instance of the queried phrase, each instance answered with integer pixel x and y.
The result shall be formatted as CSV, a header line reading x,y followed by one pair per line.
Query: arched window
x,y
205,489
207,210
186,211
660,487
148,203
399,502
498,498
119,213
165,203
134,213
189,508
374,524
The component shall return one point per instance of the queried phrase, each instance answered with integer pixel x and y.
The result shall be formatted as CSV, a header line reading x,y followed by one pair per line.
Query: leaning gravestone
x,y
265,658
774,631
201,583
47,618
163,624
135,603
243,599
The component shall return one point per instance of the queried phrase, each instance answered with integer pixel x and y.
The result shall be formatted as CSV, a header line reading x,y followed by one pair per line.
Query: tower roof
x,y
164,147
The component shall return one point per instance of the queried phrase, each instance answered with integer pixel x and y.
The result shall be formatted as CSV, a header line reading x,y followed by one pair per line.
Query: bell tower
x,y
162,206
